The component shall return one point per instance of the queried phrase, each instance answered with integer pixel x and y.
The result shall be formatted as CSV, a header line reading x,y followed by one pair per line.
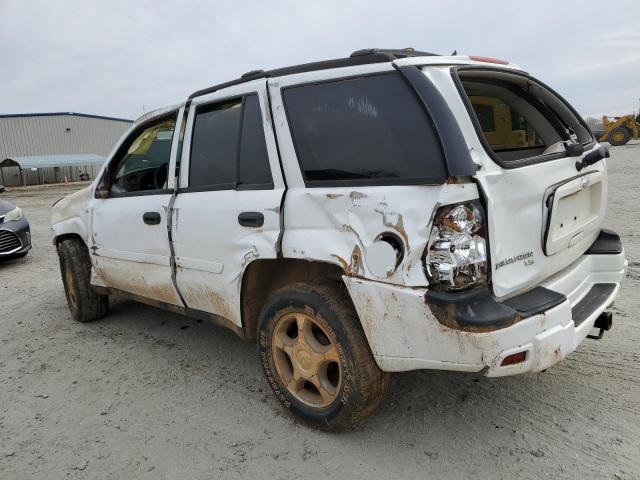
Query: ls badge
x,y
527,257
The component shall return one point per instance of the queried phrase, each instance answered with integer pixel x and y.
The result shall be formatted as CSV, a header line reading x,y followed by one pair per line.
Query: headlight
x,y
456,256
15,214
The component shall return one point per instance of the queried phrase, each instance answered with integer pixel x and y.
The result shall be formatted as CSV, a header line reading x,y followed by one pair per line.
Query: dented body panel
x,y
341,225
210,265
71,215
212,249
404,334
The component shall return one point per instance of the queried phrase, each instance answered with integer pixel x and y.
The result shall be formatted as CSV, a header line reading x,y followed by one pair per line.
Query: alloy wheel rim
x,y
306,359
70,287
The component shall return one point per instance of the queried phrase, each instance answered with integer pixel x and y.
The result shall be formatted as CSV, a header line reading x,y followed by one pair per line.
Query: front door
x,y
129,242
227,211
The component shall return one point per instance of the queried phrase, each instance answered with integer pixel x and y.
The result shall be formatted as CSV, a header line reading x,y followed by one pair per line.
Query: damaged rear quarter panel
x,y
340,224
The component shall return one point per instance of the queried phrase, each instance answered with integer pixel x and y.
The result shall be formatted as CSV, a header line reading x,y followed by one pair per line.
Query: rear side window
x,y
370,130
254,160
228,148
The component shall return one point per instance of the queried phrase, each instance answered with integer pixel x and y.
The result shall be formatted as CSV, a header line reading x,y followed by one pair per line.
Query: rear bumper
x,y
405,333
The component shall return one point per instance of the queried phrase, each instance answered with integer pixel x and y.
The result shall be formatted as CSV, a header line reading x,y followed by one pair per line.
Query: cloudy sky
x,y
120,58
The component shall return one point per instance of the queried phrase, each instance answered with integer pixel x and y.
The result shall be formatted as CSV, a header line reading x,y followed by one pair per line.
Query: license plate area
x,y
576,207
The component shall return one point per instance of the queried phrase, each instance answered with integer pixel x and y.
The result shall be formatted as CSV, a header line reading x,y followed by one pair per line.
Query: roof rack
x,y
359,57
394,53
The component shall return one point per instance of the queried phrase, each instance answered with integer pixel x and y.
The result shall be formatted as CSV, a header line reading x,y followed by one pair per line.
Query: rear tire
x,y
316,357
75,265
619,136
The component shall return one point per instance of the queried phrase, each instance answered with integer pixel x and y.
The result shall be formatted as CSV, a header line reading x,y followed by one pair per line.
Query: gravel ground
x,y
148,394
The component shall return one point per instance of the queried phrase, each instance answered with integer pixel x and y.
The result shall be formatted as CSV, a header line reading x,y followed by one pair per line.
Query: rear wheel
x,y
619,136
75,265
316,357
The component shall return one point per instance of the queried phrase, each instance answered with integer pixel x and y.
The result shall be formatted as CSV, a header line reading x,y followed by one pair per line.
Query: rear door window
x,y
369,130
228,147
214,145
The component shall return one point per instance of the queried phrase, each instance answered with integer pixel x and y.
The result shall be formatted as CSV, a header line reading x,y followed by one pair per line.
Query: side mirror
x,y
103,187
102,192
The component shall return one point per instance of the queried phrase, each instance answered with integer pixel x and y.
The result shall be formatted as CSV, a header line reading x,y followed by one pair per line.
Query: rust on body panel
x,y
343,263
356,261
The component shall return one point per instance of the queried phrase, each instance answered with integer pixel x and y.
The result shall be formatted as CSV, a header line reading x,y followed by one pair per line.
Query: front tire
x,y
316,357
75,265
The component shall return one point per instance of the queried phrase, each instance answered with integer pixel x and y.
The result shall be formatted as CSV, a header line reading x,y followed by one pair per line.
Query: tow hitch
x,y
603,322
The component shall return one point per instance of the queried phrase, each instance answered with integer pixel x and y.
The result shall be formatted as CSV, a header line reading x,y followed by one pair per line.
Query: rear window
x,y
368,130
519,118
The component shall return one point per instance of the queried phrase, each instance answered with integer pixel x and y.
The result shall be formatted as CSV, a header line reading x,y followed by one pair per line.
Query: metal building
x,y
42,169
64,135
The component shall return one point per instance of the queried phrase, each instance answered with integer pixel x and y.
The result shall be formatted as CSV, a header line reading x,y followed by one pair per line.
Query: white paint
x,y
212,249
341,225
515,199
404,335
381,259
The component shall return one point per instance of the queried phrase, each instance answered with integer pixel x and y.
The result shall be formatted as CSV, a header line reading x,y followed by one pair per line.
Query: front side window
x,y
370,130
144,165
228,148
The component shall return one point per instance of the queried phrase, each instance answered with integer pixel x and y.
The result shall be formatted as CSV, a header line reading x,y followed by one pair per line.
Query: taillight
x,y
456,255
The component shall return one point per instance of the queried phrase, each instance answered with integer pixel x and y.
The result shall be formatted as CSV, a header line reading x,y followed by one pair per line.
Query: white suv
x,y
390,211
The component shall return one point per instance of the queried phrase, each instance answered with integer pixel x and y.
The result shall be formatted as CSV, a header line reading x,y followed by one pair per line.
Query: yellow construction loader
x,y
619,130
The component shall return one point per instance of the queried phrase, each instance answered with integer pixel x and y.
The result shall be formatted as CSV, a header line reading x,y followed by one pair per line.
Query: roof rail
x,y
394,53
360,57
252,73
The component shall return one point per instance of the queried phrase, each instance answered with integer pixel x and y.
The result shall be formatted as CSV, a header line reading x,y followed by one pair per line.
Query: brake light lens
x,y
456,255
488,60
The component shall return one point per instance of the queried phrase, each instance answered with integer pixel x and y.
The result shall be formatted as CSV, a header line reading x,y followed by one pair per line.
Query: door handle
x,y
151,218
251,219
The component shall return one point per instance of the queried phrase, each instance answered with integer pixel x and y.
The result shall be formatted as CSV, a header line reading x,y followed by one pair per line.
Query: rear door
x,y
227,211
543,213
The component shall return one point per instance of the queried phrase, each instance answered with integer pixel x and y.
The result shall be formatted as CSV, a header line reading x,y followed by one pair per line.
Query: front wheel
x,y
75,265
316,357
